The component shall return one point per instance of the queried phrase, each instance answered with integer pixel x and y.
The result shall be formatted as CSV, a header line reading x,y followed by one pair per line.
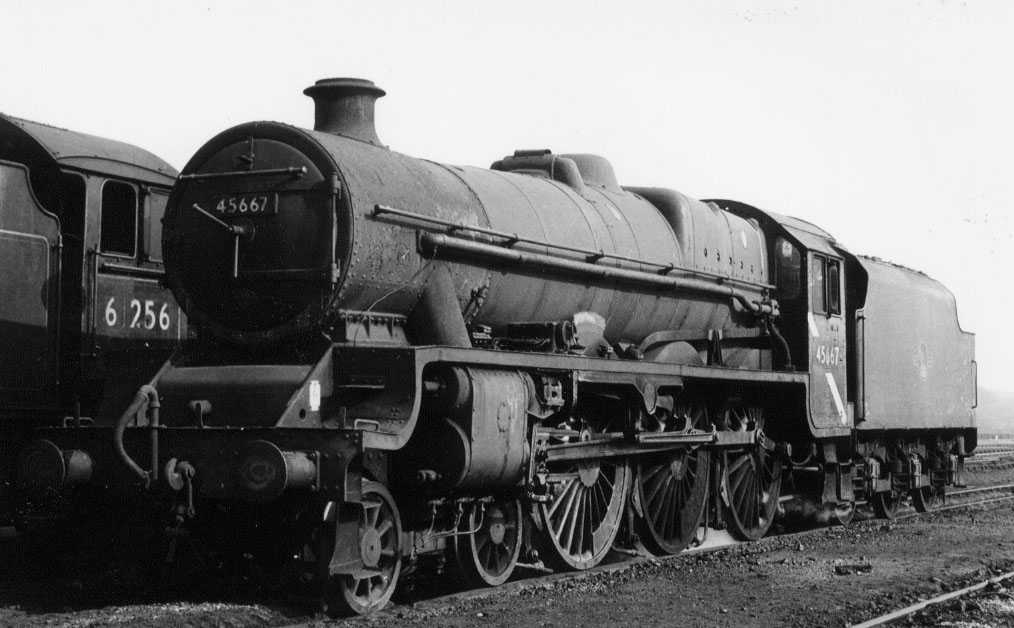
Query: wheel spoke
x,y
563,496
601,501
752,479
372,514
484,562
574,519
604,477
579,530
740,461
672,488
656,487
345,594
653,472
481,540
567,512
669,514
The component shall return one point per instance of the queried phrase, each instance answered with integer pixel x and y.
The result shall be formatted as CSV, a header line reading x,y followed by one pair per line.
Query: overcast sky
x,y
888,124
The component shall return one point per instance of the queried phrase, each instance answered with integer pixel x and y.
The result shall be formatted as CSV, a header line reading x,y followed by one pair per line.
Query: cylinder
x,y
478,425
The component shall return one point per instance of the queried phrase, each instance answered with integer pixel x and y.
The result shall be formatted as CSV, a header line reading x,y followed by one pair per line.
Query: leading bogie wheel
x,y
369,589
489,541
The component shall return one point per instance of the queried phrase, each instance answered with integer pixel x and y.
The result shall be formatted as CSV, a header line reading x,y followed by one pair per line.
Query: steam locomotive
x,y
84,320
400,363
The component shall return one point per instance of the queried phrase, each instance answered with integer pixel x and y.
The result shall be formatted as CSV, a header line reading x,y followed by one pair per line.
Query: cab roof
x,y
806,233
37,144
809,235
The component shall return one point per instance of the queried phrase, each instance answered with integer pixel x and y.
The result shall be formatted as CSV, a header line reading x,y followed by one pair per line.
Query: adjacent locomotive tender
x,y
398,360
84,319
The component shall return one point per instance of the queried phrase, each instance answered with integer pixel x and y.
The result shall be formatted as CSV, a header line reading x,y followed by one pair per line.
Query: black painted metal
x,y
438,245
376,265
344,106
391,418
591,256
437,319
74,333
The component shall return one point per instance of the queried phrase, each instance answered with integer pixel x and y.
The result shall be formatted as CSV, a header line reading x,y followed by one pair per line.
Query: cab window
x,y
72,200
818,290
833,286
153,225
119,219
787,269
825,285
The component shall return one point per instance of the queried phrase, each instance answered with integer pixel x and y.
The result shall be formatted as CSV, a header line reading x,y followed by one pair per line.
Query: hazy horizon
x,y
884,124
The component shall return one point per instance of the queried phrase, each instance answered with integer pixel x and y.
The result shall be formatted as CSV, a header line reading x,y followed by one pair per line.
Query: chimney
x,y
344,106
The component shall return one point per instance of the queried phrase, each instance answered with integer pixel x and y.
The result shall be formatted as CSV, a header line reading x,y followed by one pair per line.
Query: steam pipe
x,y
146,397
431,244
777,334
437,318
510,239
153,424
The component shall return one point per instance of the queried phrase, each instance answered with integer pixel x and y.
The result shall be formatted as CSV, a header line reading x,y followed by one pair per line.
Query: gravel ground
x,y
993,608
832,578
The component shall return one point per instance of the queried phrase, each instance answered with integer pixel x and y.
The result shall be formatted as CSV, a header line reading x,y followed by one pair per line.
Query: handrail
x,y
433,245
591,256
296,171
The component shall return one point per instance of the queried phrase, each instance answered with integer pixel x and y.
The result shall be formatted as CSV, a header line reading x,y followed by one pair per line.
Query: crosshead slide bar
x,y
918,606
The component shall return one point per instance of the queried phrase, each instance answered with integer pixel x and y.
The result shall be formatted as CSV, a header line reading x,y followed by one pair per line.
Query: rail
x,y
983,456
924,604
720,544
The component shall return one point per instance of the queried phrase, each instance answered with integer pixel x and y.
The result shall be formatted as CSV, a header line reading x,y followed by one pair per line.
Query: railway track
x,y
428,606
911,609
716,541
987,455
973,496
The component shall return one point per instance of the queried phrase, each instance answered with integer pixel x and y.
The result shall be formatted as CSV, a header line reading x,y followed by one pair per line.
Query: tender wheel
x,y
380,546
582,517
886,504
751,479
927,498
672,489
488,554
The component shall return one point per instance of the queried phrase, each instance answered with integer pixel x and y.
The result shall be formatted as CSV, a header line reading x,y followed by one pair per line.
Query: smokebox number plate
x,y
246,204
